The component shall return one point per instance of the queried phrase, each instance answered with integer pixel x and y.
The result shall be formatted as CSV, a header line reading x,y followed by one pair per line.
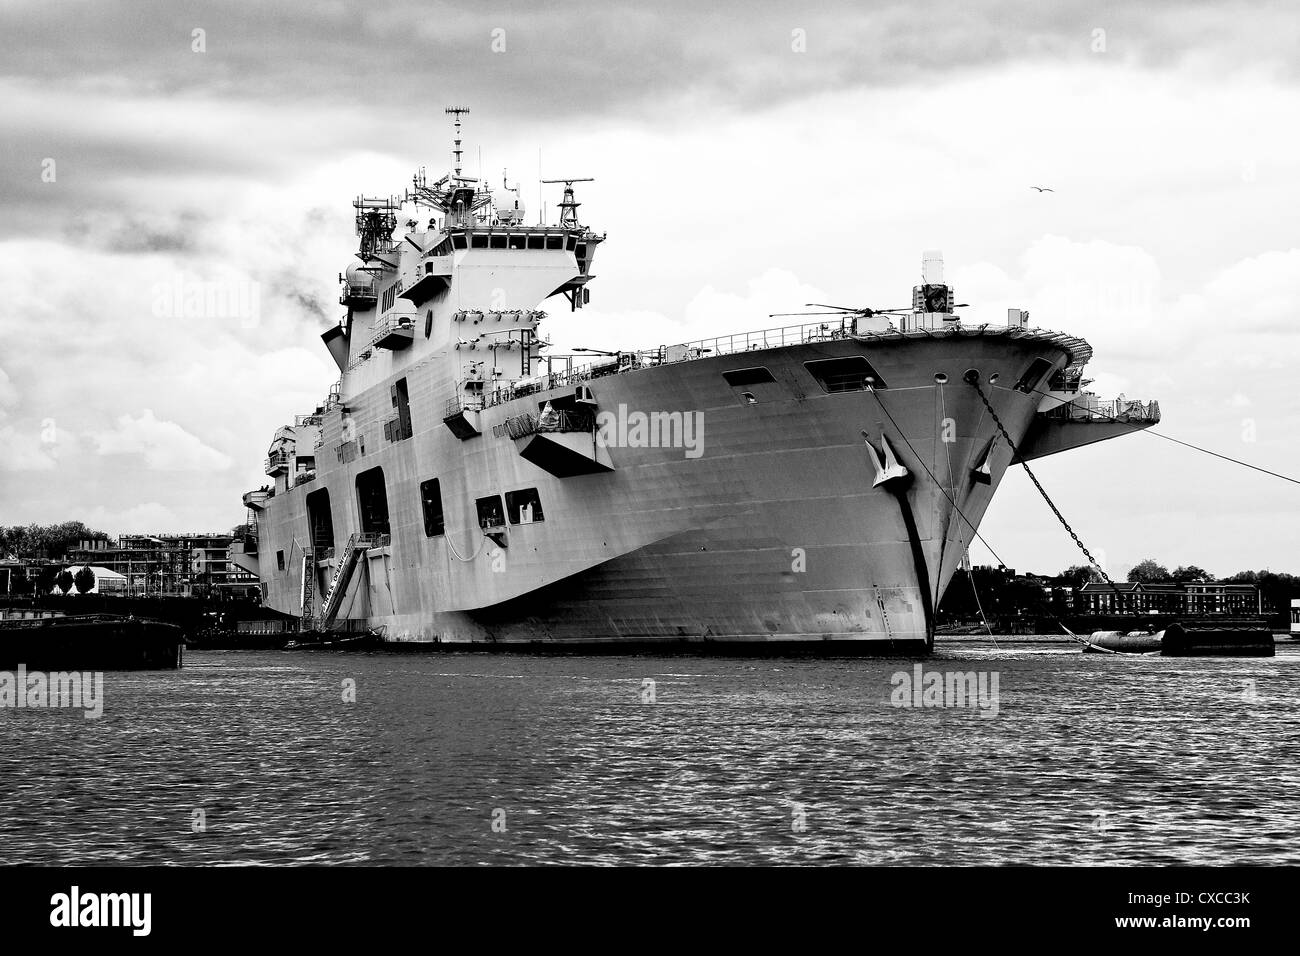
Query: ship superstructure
x,y
810,483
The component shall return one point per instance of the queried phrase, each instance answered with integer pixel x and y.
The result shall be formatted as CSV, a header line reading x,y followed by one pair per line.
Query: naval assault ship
x,y
814,485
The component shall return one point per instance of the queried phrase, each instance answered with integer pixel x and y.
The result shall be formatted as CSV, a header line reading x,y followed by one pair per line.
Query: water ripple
x,y
256,758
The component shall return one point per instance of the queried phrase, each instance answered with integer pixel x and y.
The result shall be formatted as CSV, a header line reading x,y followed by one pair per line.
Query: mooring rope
x,y
972,377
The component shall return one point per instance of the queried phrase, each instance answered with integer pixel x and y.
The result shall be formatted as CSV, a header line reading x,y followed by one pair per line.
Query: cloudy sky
x,y
748,159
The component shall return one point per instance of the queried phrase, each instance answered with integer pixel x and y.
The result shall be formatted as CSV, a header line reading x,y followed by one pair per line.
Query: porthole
x,y
940,378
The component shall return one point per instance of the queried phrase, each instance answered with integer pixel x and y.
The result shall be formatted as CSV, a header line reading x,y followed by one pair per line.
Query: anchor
x,y
894,476
890,469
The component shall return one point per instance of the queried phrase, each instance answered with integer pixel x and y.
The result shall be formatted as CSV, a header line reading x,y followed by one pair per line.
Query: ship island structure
x,y
815,485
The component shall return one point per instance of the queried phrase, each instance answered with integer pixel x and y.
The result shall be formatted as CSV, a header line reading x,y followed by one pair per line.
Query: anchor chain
x,y
973,378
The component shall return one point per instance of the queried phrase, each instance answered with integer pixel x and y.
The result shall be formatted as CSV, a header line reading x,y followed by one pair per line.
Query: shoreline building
x,y
169,565
1208,598
105,580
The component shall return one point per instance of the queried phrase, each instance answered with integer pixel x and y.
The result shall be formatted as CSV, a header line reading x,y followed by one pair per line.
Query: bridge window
x,y
554,242
390,296
490,512
524,506
458,240
478,242
748,376
535,242
851,374
431,499
372,501
518,242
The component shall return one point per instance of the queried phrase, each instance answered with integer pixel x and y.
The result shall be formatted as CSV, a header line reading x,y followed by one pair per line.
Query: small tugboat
x,y
53,641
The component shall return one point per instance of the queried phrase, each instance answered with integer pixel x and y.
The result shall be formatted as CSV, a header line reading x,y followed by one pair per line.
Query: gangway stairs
x,y
308,590
357,545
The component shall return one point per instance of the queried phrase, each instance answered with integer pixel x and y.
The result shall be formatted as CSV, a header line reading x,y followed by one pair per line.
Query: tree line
x,y
49,541
997,592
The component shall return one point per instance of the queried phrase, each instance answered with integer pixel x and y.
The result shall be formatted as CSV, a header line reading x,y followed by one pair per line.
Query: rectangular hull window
x,y
851,374
399,428
431,499
748,376
524,507
490,512
1033,375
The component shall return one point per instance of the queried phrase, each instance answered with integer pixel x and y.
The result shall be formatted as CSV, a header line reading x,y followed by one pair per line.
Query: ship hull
x,y
775,525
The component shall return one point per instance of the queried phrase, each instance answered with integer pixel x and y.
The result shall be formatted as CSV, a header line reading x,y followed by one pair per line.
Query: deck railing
x,y
393,323
669,354
1079,350
762,339
278,460
359,291
1118,410
556,420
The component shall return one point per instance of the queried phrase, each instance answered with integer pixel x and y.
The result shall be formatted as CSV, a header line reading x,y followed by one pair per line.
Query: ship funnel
x,y
336,340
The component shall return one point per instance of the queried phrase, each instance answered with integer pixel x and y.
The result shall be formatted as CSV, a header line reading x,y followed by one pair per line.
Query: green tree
x,y
1191,574
45,578
1024,596
44,541
64,581
1276,588
84,579
1080,574
1148,572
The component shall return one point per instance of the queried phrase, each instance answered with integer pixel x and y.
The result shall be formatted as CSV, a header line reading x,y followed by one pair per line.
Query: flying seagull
x,y
1043,189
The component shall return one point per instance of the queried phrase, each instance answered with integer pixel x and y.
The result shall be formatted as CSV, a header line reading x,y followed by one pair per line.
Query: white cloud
x,y
165,445
24,451
1155,247
148,518
8,391
773,291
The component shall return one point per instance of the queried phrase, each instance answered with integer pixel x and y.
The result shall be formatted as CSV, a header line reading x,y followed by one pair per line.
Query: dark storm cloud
x,y
281,83
131,233
560,58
